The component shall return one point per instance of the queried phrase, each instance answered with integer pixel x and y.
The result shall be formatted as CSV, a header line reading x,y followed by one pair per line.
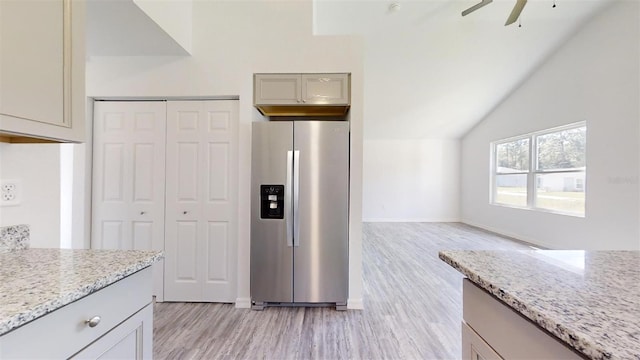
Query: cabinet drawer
x,y
132,339
64,332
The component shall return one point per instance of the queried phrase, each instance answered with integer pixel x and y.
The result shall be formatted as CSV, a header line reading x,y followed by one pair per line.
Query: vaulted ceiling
x,y
428,71
431,73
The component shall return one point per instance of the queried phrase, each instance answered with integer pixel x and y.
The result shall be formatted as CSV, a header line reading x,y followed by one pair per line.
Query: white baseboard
x,y
355,304
427,220
243,303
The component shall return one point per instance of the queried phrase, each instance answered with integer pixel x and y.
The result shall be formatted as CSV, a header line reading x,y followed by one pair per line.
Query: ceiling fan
x,y
515,13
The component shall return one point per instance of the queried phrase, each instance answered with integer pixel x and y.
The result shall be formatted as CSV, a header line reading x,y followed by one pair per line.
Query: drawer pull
x,y
94,321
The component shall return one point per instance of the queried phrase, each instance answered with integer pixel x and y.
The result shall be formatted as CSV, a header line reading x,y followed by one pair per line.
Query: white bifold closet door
x,y
165,177
128,178
201,210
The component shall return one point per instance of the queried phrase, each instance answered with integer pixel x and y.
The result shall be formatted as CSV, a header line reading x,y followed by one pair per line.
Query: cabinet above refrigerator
x,y
317,94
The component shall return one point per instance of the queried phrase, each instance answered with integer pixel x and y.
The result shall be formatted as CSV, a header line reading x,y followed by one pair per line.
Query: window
x,y
512,166
543,171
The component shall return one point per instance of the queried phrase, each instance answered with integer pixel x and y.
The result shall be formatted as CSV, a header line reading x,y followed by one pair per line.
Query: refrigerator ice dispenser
x,y
272,201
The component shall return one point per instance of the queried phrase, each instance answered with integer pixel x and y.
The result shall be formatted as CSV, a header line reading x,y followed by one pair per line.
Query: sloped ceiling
x,y
122,28
431,73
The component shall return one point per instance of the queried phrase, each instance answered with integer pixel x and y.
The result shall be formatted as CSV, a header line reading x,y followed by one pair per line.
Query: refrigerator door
x,y
321,227
271,229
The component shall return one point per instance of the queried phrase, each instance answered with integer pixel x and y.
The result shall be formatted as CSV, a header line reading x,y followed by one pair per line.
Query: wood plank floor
x,y
412,307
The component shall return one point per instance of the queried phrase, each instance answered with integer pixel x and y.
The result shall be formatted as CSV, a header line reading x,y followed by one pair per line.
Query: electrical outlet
x,y
8,187
9,192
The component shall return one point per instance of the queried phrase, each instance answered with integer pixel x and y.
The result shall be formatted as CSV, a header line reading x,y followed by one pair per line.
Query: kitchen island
x,y
589,301
56,302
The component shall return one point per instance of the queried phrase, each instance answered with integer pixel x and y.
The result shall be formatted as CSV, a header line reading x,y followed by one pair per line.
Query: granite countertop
x,y
588,299
35,282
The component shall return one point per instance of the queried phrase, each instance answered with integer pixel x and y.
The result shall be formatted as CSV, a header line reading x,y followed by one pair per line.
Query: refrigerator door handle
x,y
288,213
296,197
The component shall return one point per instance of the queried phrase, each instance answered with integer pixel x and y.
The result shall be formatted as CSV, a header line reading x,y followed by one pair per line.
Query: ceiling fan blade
x,y
515,13
476,7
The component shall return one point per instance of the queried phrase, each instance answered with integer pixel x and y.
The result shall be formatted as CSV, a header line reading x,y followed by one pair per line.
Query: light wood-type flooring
x,y
412,306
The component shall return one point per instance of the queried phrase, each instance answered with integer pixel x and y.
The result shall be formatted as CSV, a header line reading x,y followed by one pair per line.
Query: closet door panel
x,y
202,187
220,202
128,178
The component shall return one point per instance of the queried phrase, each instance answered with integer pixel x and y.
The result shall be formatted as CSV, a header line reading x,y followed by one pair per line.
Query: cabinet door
x,y
325,89
474,348
277,89
32,60
132,339
128,178
38,83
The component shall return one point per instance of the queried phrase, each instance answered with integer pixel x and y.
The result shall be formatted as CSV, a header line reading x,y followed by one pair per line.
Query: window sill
x,y
555,212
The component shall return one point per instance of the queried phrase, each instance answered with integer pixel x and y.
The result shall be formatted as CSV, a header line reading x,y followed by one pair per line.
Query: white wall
x,y
174,17
231,41
431,73
128,28
37,167
411,180
593,77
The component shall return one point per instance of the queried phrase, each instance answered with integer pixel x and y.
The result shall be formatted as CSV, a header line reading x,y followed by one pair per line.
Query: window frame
x,y
533,171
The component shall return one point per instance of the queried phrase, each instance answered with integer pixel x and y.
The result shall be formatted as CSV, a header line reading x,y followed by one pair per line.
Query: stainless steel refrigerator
x,y
300,212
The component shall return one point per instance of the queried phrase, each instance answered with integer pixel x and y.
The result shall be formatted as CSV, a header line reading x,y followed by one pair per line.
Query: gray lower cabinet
x,y
492,330
122,328
125,341
473,347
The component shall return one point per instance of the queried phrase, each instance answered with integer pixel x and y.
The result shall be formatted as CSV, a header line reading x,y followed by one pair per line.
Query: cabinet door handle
x,y
93,322
304,101
142,212
185,212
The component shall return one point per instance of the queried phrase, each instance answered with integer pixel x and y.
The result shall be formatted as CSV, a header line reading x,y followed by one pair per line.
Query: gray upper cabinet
x,y
302,94
325,89
42,70
277,89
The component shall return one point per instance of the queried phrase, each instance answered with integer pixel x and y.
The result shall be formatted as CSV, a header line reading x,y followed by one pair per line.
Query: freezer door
x,y
271,255
321,268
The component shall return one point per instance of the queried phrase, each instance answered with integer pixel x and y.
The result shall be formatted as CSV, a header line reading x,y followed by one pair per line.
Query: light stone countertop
x,y
14,237
35,282
588,299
